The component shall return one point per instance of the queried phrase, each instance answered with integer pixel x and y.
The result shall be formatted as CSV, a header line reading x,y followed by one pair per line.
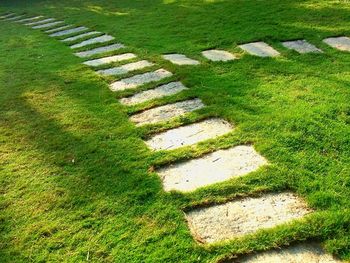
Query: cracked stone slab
x,y
69,39
341,43
29,19
47,25
218,55
123,69
101,39
56,29
14,18
245,216
99,50
189,134
301,46
69,31
140,79
260,49
110,59
180,59
212,168
40,22
166,112
301,253
158,92
7,15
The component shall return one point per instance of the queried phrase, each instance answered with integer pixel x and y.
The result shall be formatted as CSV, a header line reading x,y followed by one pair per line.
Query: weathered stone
x,y
244,216
341,43
110,59
212,168
29,19
139,80
40,22
301,253
101,39
123,69
180,59
301,46
158,92
189,134
7,15
218,55
259,49
69,39
99,50
47,25
56,29
69,31
166,112
13,18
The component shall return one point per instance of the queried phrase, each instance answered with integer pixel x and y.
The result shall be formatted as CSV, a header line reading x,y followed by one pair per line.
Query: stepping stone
x,y
29,19
218,55
7,15
244,216
14,18
189,134
58,29
212,168
139,80
166,112
301,253
101,39
341,43
47,25
180,59
81,36
110,59
40,22
126,68
301,46
158,92
99,50
260,49
69,31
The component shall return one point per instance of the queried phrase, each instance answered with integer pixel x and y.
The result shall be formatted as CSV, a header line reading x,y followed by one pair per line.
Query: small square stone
x,y
260,49
301,46
180,59
218,55
341,43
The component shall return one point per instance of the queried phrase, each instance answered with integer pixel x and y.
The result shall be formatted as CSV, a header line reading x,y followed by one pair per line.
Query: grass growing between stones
x,y
77,181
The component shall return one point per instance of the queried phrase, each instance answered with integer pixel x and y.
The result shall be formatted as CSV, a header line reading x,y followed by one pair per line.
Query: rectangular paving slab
x,y
212,168
110,59
56,29
301,46
7,15
123,69
29,19
301,253
69,31
244,216
140,79
260,49
166,112
101,39
158,92
13,18
189,134
44,21
48,25
99,50
218,55
69,39
180,59
341,43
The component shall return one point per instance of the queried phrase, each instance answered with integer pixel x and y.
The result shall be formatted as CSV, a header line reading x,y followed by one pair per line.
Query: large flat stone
x,y
158,92
260,49
123,69
48,25
180,59
189,134
69,31
110,59
301,253
301,46
101,39
44,21
341,43
212,168
29,19
218,55
56,29
69,39
99,50
13,18
244,216
7,15
166,112
139,80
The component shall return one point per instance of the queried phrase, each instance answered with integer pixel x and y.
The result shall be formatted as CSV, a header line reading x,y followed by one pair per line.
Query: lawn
x,y
77,182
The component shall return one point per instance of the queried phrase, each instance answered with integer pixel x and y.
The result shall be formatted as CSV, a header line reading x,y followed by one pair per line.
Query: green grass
x,y
77,181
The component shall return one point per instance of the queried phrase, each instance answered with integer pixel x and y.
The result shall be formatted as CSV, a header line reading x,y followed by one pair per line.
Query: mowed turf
x,y
77,182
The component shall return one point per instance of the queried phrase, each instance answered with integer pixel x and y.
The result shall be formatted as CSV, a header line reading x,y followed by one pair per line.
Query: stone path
x,y
213,223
